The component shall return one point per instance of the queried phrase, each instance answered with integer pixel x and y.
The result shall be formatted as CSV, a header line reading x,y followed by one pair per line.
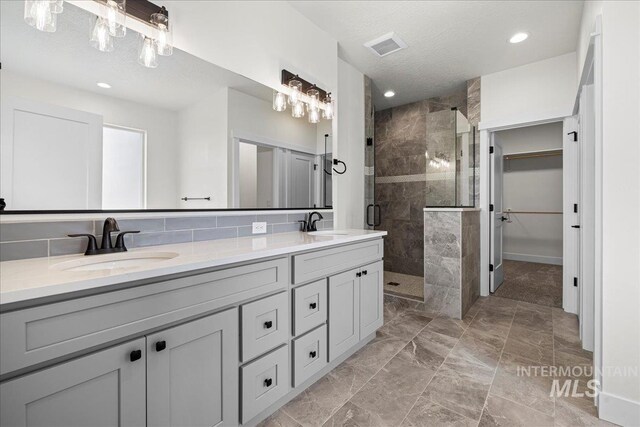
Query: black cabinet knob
x,y
135,355
268,324
312,354
358,274
313,305
364,272
161,345
268,382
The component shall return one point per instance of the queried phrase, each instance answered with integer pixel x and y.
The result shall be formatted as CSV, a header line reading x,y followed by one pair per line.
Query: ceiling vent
x,y
386,45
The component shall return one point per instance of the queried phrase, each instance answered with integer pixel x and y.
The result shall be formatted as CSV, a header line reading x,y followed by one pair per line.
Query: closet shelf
x,y
532,154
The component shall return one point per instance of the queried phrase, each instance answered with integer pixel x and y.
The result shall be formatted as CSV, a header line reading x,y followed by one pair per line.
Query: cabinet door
x,y
371,298
344,302
105,388
192,374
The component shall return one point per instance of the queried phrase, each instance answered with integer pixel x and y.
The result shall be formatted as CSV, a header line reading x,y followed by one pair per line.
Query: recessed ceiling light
x,y
389,93
518,37
104,85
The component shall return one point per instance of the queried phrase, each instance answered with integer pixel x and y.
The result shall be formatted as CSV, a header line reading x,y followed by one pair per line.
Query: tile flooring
x,y
408,286
423,371
532,282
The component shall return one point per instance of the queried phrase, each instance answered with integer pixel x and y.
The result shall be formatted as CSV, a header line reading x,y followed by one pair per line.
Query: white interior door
x,y
301,180
51,157
497,276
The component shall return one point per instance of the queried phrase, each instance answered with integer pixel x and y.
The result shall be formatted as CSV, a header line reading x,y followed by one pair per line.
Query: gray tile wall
x,y
40,239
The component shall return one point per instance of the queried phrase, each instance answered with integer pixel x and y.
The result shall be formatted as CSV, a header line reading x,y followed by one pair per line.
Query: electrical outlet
x,y
259,227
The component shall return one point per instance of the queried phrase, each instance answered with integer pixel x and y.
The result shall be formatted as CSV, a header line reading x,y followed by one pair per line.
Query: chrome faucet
x,y
110,225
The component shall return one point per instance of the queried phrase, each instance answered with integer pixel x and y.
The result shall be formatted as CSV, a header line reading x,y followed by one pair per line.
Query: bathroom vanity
x,y
213,333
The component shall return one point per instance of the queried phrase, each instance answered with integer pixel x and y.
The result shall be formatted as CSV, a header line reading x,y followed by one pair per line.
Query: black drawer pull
x,y
358,274
268,324
161,345
312,354
135,355
268,382
364,272
313,305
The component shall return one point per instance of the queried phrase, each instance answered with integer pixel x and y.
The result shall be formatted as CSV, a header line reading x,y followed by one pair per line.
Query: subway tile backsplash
x,y
40,239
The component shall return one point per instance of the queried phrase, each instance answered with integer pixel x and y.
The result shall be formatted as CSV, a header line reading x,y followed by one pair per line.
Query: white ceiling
x,y
66,57
449,41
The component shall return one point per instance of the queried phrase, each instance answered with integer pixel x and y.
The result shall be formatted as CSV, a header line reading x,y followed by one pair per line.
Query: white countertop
x,y
444,209
28,279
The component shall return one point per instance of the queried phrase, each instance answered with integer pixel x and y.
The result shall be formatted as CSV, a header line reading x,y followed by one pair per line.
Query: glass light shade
x,y
100,37
314,100
39,14
116,16
57,6
328,111
297,110
295,95
279,101
314,115
147,53
164,38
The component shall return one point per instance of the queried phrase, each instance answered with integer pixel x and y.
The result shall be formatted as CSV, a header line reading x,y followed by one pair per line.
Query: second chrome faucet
x,y
110,226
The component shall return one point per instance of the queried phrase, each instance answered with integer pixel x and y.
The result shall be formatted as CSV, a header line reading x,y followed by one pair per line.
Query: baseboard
x,y
618,410
532,258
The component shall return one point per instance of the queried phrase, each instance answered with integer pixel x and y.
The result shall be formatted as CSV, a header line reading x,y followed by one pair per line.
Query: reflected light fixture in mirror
x,y
327,113
314,102
147,52
164,40
100,36
296,92
40,14
116,15
314,115
297,110
57,6
279,101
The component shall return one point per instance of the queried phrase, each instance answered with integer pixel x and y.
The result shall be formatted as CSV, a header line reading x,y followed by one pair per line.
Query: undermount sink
x,y
329,233
113,261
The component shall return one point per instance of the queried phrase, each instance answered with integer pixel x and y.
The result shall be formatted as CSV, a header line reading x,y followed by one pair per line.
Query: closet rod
x,y
533,154
533,212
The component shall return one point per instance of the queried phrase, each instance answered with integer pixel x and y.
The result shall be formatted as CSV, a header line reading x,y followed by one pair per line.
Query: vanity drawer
x,y
36,335
309,354
265,325
309,306
315,265
264,381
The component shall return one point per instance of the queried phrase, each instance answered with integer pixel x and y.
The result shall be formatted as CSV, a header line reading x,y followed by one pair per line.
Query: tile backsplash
x,y
22,240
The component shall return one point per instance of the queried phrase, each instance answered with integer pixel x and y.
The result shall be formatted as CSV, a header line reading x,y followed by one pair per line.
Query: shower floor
x,y
407,286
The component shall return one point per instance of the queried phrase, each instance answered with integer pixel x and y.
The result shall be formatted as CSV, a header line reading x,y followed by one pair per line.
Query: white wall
x,y
590,10
247,171
160,125
533,185
620,400
536,91
348,189
256,39
202,152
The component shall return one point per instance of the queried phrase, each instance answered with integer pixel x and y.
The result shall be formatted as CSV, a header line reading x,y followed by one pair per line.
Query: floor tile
x,y
446,326
535,346
279,419
502,412
427,349
536,319
406,326
372,357
427,413
483,346
390,394
352,415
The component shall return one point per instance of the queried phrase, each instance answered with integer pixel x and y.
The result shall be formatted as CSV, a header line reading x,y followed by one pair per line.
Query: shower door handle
x,y
379,221
369,223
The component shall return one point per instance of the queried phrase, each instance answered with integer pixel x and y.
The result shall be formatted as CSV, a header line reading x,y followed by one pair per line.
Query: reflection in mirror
x,y
90,130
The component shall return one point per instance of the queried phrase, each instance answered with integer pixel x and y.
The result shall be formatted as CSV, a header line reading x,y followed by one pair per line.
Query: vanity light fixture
x,y
314,101
297,110
327,112
57,6
295,95
518,37
101,36
389,94
147,52
164,40
103,85
42,14
279,101
116,16
314,115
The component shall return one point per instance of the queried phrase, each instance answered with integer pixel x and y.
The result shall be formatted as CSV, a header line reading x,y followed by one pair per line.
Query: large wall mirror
x,y
90,130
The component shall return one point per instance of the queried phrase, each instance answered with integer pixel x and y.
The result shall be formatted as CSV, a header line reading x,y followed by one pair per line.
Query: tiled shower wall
x,y
400,173
21,240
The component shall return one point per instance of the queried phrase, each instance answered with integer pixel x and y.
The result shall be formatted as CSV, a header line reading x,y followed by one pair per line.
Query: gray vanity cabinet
x,y
344,315
106,388
371,298
190,368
